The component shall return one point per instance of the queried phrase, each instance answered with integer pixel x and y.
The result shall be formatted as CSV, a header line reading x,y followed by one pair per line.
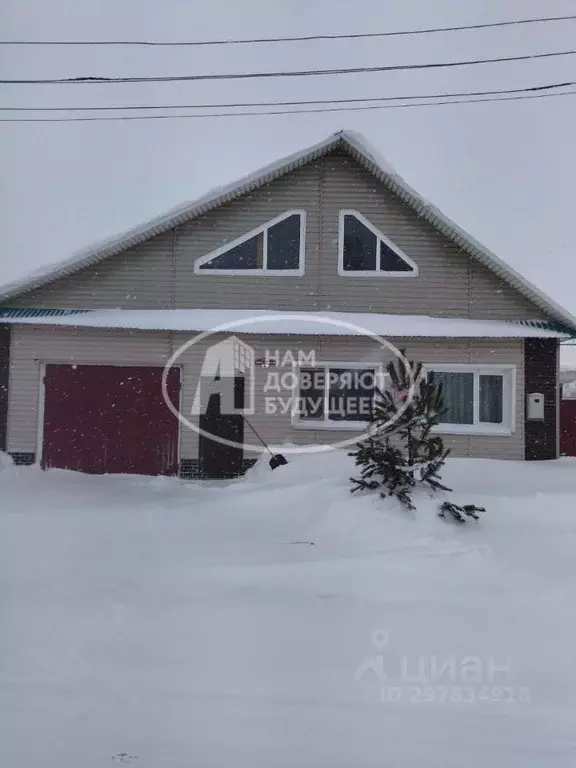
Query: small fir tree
x,y
401,451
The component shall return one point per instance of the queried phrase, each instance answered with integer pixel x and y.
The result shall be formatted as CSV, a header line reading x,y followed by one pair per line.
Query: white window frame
x,y
326,423
508,425
370,272
262,271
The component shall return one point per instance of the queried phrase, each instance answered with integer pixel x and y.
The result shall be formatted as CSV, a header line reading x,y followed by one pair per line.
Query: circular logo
x,y
228,378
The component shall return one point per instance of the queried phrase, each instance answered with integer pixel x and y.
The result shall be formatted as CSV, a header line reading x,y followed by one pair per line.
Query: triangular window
x,y
276,247
364,250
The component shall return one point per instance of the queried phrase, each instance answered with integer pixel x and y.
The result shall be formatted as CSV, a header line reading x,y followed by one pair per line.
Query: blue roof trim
x,y
25,312
548,326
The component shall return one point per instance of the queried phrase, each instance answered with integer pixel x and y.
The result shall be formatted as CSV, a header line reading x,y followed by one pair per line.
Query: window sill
x,y
374,273
340,426
448,429
471,429
250,272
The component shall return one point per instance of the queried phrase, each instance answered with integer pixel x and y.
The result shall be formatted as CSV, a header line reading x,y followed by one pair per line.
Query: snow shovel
x,y
277,459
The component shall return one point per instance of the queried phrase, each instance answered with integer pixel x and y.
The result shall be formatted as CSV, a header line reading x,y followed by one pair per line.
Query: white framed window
x,y
335,395
479,399
275,248
364,251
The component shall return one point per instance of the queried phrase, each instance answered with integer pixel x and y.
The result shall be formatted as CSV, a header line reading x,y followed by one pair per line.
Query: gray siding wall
x,y
33,346
140,278
300,189
159,273
278,427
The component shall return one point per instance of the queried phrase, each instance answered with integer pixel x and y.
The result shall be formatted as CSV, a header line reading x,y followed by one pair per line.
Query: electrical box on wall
x,y
535,406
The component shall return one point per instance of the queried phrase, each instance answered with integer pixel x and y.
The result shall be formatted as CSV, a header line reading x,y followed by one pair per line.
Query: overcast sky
x,y
503,171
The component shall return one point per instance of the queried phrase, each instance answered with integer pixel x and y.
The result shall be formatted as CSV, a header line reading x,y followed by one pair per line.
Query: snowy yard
x,y
277,621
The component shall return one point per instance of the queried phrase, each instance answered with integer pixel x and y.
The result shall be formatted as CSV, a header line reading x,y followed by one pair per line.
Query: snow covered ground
x,y
277,621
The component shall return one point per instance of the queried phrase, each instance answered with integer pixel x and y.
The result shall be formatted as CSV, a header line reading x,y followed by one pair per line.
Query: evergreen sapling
x,y
401,451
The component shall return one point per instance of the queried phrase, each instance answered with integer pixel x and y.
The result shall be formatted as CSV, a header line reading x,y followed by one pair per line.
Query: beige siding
x,y
140,278
159,274
491,298
298,190
352,349
33,346
441,287
446,284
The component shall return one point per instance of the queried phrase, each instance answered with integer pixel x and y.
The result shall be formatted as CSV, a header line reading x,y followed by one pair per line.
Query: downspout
x,y
4,384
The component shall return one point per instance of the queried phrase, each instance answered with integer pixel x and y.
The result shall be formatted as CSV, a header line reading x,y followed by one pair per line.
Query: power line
x,y
238,105
302,73
277,112
306,38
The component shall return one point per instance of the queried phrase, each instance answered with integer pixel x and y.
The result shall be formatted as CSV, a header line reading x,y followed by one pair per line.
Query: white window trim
x,y
263,272
370,272
508,426
325,423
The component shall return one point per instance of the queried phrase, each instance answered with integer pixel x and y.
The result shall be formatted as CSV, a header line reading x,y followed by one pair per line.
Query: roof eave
x,y
212,200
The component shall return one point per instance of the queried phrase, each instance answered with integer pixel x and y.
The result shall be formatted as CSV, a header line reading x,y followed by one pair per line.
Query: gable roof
x,y
358,148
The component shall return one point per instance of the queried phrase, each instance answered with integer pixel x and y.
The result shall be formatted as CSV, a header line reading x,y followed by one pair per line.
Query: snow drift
x,y
277,621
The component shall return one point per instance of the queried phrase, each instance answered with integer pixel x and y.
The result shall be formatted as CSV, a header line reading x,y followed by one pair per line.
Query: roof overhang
x,y
270,322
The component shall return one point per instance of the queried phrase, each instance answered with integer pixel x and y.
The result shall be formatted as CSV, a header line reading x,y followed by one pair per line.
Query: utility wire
x,y
302,73
277,112
306,38
245,104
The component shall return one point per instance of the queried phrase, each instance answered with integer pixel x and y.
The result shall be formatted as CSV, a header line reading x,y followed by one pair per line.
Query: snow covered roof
x,y
357,146
297,323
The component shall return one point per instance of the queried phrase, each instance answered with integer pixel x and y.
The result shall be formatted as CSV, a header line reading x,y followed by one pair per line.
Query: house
x,y
277,299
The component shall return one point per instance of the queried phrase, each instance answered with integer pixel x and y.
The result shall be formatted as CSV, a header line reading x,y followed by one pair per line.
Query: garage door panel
x,y
110,419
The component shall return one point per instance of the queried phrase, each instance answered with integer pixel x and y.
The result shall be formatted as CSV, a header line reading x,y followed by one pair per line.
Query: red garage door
x,y
108,419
